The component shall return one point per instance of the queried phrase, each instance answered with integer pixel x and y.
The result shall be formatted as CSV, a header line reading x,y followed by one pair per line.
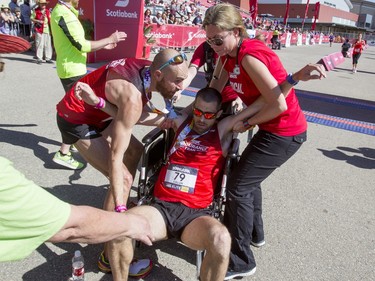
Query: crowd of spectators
x,y
15,18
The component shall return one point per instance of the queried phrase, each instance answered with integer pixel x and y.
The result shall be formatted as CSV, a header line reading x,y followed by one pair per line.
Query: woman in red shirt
x,y
358,47
257,75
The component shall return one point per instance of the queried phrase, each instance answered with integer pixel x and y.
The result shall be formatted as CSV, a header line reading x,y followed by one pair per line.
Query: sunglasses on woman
x,y
178,59
217,41
207,115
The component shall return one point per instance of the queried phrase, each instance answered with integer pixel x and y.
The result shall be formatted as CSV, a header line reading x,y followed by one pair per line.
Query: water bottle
x,y
78,267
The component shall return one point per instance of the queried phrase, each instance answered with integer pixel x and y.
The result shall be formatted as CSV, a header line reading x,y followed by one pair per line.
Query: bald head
x,y
162,57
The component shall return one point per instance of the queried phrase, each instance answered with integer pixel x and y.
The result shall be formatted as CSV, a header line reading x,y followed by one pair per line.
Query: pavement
x,y
319,210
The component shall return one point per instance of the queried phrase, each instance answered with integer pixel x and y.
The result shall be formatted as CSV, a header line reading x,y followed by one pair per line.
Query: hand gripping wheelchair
x,y
155,149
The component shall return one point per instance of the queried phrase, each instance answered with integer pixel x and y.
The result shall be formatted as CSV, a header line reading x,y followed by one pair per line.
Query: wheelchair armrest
x,y
234,148
152,136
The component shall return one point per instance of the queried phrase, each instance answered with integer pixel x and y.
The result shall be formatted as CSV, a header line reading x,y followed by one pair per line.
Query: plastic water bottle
x,y
78,267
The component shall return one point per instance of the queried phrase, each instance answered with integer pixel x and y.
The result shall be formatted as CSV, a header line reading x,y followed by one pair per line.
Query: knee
x,y
220,242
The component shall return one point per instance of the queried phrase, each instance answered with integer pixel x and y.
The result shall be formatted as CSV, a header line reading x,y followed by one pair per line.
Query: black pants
x,y
243,211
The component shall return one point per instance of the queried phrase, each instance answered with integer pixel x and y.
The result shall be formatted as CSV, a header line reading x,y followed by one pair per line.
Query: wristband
x,y
120,208
100,104
290,80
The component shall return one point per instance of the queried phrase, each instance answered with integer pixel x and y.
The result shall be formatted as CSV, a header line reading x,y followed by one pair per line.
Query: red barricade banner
x,y
177,35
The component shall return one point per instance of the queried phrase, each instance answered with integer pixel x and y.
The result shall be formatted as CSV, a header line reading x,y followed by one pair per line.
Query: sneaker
x,y
49,61
258,244
73,148
67,161
137,269
38,61
233,274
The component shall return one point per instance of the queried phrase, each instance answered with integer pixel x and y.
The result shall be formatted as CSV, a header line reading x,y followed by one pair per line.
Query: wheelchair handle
x,y
152,135
234,147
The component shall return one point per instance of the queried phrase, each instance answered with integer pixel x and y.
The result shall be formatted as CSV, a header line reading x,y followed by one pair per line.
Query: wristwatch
x,y
290,80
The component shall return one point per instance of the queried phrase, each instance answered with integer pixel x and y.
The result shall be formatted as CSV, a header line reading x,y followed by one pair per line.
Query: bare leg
x,y
64,148
207,233
120,252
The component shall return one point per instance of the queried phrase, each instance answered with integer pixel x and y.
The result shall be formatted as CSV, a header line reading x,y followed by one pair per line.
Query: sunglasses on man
x,y
207,115
217,41
178,59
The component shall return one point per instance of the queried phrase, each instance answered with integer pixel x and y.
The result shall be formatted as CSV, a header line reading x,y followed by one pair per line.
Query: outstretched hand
x,y
114,38
310,72
84,92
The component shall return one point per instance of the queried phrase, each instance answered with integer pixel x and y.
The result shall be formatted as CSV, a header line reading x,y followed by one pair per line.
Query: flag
x,y
316,15
306,10
286,12
253,10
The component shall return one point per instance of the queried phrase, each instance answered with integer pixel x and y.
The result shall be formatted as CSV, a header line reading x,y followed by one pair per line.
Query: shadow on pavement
x,y
363,157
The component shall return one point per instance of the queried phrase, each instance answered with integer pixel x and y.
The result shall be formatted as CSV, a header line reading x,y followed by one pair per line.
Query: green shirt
x,y
29,215
69,41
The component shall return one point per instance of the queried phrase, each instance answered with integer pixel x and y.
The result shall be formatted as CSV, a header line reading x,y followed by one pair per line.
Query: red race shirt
x,y
289,123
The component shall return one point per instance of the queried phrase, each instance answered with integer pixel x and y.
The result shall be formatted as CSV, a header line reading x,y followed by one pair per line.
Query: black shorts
x,y
176,216
68,83
71,133
356,58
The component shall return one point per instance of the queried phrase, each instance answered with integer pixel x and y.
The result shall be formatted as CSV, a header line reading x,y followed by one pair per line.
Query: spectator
x,y
147,17
157,19
25,19
41,18
198,19
171,19
6,20
15,30
13,5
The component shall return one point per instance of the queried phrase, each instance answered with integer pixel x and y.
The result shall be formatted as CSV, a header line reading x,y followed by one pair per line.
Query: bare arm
x,y
108,43
127,99
84,92
308,72
91,225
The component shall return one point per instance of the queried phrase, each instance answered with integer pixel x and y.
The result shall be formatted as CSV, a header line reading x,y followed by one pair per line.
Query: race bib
x,y
181,178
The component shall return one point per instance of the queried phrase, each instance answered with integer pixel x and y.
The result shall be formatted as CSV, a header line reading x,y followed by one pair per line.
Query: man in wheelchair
x,y
185,187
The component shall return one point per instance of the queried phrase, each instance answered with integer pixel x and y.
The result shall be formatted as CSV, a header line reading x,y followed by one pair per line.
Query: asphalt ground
x,y
319,210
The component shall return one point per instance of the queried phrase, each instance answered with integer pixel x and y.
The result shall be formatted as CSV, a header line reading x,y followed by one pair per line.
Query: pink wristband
x,y
121,208
100,104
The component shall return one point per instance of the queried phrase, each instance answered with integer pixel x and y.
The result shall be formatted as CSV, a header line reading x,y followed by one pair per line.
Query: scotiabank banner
x,y
177,35
121,15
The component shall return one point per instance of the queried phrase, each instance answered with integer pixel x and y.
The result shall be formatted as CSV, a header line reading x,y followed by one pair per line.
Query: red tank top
x,y
78,112
193,170
289,123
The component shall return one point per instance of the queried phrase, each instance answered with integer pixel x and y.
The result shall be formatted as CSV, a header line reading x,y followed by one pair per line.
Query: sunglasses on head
x,y
207,115
178,59
217,41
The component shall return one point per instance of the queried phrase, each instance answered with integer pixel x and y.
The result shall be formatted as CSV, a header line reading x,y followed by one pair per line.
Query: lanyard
x,y
182,141
169,105
147,85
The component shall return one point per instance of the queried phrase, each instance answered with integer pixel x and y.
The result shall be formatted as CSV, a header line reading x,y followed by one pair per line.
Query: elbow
x,y
283,107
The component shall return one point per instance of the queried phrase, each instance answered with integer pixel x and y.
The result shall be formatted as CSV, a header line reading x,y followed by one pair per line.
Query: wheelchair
x,y
156,145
